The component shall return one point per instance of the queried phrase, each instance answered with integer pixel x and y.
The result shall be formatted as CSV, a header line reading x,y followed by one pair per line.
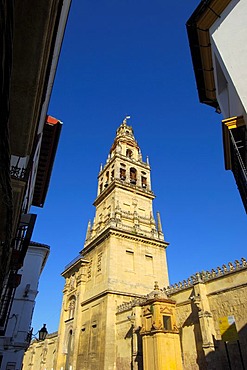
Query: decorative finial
x,y
101,167
125,120
156,285
88,230
159,226
140,155
147,159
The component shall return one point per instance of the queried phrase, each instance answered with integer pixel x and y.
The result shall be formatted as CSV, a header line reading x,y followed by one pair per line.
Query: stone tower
x,y
124,254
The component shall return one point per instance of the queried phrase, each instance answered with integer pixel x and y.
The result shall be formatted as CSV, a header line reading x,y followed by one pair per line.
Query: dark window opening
x,y
129,153
167,322
144,181
122,174
107,179
133,176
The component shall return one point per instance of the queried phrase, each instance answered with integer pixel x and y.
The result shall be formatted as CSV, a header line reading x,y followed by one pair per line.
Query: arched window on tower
x,y
122,174
112,175
133,173
144,182
107,179
129,153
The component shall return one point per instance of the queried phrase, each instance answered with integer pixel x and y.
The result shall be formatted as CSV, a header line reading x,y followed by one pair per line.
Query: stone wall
x,y
202,300
41,354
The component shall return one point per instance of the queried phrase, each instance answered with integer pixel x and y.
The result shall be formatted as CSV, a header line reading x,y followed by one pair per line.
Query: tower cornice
x,y
116,183
114,231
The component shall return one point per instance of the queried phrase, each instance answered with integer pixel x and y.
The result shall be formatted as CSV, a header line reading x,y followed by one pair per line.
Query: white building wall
x,y
15,342
229,48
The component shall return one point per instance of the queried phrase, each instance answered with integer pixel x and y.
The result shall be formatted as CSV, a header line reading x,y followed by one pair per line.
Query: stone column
x,y
206,323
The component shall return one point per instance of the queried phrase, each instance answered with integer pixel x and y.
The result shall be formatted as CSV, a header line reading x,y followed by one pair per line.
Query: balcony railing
x,y
238,158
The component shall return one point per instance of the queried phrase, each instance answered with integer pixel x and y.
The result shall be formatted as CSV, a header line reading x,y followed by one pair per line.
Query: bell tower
x,y
123,255
124,197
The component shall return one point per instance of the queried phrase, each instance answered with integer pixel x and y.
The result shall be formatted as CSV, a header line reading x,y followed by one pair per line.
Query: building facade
x,y
114,315
31,39
217,32
18,332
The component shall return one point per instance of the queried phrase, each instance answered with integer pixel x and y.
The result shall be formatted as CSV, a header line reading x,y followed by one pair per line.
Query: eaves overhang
x,y
36,27
198,25
46,251
50,139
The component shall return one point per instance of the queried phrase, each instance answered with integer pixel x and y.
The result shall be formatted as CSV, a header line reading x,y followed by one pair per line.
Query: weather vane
x,y
125,119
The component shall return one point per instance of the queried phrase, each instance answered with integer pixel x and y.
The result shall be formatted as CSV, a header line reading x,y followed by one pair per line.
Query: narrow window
x,y
133,176
107,179
122,174
129,153
130,260
144,181
167,322
149,264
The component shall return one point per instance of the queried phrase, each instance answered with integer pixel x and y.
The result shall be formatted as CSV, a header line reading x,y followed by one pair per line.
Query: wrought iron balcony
x,y
235,150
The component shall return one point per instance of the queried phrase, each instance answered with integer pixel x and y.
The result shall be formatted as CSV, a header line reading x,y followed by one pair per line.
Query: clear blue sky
x,y
131,57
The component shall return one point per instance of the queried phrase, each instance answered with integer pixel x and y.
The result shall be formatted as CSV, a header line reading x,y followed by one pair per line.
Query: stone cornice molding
x,y
109,291
75,264
122,184
122,234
